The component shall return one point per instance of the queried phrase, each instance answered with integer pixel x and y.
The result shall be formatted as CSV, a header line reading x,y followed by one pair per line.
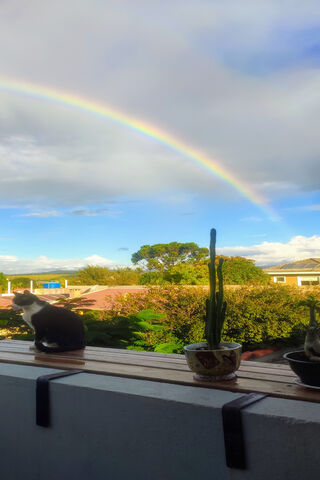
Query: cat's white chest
x,y
30,310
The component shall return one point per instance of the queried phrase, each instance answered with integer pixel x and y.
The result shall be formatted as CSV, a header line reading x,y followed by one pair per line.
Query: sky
x,y
235,83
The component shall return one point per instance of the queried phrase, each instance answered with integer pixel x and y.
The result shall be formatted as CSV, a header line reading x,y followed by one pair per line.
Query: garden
x,y
165,318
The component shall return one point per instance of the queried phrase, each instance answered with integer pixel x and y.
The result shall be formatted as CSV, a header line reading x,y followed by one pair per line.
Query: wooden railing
x,y
277,380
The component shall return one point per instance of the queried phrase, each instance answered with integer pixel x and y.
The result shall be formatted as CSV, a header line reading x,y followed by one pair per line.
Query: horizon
x,y
133,124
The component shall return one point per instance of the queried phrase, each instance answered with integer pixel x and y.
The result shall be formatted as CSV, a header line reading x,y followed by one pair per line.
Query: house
x,y
302,272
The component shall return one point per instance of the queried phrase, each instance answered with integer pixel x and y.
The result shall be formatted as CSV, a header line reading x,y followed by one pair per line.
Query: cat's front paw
x,y
33,347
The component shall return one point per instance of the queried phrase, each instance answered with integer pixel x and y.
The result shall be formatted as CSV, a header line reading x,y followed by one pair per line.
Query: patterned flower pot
x,y
213,365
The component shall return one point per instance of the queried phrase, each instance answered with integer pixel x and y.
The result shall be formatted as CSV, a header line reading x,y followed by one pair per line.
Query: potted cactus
x,y
306,363
214,360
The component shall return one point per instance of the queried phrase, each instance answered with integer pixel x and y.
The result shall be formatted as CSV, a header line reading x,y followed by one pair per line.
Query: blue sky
x,y
238,82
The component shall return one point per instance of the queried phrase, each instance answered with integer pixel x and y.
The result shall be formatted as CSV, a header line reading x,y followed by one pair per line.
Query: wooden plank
x,y
79,358
170,358
276,380
173,356
241,384
99,357
108,356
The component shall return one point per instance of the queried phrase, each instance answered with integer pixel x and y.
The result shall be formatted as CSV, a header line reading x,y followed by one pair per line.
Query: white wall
x,y
119,429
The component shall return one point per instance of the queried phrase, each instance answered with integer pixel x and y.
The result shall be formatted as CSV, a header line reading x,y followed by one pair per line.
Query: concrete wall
x,y
115,428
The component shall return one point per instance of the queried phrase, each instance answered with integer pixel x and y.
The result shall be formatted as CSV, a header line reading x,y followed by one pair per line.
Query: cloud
x,y
14,265
305,208
93,213
246,96
123,249
52,213
276,253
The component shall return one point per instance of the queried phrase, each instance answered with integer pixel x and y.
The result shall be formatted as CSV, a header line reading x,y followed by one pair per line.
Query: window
x,y
310,280
279,279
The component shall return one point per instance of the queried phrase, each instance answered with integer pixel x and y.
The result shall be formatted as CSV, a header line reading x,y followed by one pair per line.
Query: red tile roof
x,y
92,300
99,301
5,302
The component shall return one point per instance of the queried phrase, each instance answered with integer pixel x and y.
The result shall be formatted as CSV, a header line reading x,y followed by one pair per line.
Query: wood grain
x,y
277,380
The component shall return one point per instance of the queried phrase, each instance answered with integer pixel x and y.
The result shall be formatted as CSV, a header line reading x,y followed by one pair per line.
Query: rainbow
x,y
50,94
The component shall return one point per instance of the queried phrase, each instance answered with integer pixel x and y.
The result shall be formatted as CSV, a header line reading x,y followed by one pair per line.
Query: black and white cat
x,y
56,329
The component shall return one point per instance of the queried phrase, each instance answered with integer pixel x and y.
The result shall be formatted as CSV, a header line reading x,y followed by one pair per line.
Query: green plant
x,y
215,305
312,340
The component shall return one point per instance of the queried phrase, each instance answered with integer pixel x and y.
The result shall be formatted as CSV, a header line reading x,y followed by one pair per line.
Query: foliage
x,y
236,271
163,256
166,318
314,306
242,271
12,326
95,275
20,282
312,339
256,316
3,282
119,331
180,274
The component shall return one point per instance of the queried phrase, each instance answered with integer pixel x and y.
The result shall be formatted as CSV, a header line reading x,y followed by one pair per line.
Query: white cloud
x,y
45,214
14,265
275,253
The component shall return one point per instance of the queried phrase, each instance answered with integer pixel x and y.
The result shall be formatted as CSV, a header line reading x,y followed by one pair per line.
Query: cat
x,y
56,329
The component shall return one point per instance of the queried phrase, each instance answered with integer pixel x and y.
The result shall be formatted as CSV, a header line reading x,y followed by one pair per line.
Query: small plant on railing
x,y
214,360
312,339
215,305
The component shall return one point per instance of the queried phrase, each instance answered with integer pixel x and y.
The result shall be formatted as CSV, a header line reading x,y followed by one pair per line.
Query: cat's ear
x,y
26,291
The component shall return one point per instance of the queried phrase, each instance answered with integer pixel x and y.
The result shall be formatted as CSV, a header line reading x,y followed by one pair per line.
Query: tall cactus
x,y
215,304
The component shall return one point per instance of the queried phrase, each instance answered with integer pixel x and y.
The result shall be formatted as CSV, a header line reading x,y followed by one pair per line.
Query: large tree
x,y
163,256
242,271
236,271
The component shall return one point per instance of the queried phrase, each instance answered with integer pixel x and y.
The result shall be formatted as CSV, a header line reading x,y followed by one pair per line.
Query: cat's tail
x,y
59,348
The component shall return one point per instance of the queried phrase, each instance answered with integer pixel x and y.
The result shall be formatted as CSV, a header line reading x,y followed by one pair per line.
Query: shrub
x,y
255,315
163,319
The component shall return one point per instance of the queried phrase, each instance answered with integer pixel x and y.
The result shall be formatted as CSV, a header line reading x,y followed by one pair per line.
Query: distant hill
x,y
57,275
52,272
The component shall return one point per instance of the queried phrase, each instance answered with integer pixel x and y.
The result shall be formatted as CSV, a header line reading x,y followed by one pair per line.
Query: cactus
x,y
312,340
215,304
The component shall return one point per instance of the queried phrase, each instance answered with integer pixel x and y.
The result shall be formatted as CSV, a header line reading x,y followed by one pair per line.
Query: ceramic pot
x,y
213,365
307,370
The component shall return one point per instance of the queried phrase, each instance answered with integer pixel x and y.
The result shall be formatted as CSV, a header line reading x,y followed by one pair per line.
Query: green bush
x,y
164,319
256,316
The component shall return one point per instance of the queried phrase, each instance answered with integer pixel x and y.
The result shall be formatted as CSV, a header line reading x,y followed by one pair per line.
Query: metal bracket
x,y
233,429
43,396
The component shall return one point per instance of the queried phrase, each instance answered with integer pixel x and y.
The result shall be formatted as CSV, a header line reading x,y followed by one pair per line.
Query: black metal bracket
x,y
233,429
43,396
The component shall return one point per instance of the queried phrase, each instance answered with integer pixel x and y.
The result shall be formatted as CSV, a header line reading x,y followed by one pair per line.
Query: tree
x,y
163,256
3,282
242,271
20,282
95,275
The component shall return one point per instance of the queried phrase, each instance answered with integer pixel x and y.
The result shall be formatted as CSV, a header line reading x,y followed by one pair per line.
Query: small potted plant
x,y
214,360
306,363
